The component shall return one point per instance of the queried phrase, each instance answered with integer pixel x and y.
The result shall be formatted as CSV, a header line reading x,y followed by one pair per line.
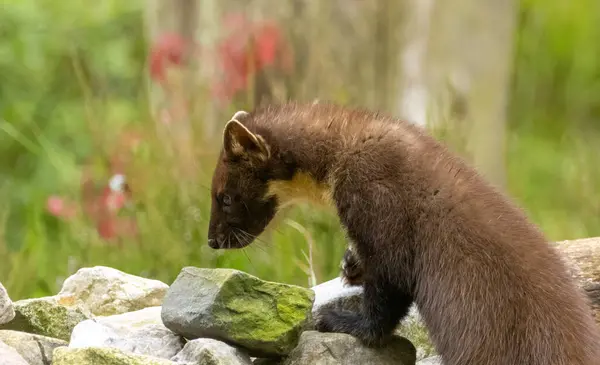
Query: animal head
x,y
241,207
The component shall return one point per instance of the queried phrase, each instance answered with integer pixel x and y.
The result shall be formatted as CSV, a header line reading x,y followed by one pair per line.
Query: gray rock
x,y
140,332
103,356
10,356
317,348
45,316
264,318
334,294
7,312
205,351
35,349
435,360
104,291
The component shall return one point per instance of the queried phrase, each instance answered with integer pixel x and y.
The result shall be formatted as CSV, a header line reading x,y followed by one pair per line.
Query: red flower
x,y
110,228
107,205
102,206
168,50
269,41
248,49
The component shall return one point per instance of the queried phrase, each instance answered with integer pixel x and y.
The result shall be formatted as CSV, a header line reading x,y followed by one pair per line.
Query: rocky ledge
x,y
103,316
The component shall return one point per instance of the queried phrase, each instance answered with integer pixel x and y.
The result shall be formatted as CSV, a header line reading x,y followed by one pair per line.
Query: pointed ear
x,y
240,142
240,115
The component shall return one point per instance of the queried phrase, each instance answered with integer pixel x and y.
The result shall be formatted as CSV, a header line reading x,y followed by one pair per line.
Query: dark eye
x,y
226,200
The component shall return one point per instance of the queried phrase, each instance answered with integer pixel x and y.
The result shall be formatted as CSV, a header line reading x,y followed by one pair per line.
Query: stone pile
x,y
103,316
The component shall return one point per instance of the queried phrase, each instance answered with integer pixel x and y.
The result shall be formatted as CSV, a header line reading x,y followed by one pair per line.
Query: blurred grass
x,y
72,76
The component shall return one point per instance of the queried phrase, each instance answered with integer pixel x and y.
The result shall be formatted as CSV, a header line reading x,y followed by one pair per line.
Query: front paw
x,y
332,321
352,324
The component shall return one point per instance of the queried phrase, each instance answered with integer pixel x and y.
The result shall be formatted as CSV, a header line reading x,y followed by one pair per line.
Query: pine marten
x,y
424,226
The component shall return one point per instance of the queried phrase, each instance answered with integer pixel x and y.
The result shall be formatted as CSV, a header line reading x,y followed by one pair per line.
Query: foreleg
x,y
384,306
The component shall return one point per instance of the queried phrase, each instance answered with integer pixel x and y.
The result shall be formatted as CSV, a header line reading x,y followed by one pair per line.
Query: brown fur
x,y
424,225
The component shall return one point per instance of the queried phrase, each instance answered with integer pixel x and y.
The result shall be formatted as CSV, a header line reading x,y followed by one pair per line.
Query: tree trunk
x,y
456,72
412,104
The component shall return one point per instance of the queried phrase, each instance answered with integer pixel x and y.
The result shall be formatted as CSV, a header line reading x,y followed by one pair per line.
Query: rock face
x,y
140,332
46,317
265,318
7,312
317,348
35,349
211,352
10,356
104,291
103,356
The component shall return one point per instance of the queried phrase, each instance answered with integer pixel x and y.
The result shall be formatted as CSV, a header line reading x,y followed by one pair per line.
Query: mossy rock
x,y
265,318
46,317
102,356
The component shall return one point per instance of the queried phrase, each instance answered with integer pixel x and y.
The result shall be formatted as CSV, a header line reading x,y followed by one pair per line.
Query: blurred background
x,y
111,115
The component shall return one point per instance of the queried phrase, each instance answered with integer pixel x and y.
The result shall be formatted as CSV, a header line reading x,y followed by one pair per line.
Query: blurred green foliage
x,y
73,74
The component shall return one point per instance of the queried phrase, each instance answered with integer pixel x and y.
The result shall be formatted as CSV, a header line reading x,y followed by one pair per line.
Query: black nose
x,y
212,243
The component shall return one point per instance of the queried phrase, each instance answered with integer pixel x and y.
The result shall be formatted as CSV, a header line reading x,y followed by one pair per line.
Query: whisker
x,y
258,246
249,261
245,253
258,241
244,249
253,237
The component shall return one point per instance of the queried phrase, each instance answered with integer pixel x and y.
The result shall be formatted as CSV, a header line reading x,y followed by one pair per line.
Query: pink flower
x,y
58,207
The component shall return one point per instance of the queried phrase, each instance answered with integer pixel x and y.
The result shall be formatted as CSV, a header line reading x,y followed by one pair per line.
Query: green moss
x,y
102,356
262,314
45,317
418,335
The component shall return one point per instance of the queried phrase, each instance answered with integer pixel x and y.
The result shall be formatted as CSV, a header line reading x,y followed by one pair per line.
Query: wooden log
x,y
583,259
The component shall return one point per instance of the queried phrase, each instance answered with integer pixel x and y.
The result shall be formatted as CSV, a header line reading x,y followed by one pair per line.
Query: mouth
x,y
212,243
221,243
